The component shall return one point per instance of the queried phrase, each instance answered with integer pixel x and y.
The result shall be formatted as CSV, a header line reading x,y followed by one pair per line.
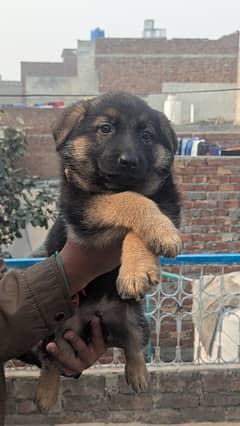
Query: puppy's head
x,y
115,142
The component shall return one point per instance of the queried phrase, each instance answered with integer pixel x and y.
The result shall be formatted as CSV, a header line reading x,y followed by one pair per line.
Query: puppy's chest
x,y
74,209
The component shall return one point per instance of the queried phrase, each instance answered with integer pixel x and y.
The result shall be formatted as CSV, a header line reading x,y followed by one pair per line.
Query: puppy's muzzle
x,y
128,161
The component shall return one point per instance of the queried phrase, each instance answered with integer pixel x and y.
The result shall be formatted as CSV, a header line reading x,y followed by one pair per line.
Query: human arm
x,y
34,301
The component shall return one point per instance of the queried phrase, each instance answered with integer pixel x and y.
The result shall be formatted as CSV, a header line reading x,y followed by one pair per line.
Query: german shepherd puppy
x,y
118,153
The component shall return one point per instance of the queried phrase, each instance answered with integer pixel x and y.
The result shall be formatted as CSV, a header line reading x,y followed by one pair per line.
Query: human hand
x,y
86,355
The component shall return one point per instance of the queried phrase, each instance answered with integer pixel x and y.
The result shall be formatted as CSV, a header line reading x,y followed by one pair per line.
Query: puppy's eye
x,y
147,136
106,128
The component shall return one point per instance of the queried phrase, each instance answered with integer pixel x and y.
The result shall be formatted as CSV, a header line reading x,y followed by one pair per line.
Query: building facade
x,y
152,67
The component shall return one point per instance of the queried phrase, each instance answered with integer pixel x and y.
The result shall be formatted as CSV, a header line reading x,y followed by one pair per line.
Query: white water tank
x,y
173,109
149,31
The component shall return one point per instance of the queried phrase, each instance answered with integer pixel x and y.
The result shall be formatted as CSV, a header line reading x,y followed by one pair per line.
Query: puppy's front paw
x,y
139,272
136,279
163,238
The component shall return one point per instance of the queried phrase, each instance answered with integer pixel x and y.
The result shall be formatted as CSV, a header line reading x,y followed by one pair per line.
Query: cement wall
x,y
10,88
87,73
207,106
52,86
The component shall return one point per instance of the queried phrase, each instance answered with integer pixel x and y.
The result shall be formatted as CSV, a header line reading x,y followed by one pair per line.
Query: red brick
x,y
27,407
178,179
177,400
186,238
187,171
234,178
213,381
185,187
227,187
211,187
206,171
231,204
136,402
224,170
199,179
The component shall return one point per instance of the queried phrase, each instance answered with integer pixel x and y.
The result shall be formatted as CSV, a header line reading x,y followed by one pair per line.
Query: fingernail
x,y
69,335
51,348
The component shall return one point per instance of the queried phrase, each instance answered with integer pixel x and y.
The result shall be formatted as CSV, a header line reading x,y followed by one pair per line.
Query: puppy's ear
x,y
71,116
168,132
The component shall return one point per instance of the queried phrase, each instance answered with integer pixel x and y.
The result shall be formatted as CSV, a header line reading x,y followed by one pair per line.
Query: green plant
x,y
22,200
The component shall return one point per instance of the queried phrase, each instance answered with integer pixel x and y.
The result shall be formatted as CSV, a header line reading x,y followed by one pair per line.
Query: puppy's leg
x,y
2,392
48,385
140,270
139,214
136,371
49,382
137,333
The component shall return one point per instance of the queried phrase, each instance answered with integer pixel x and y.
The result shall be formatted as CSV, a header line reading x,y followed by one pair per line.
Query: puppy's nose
x,y
128,161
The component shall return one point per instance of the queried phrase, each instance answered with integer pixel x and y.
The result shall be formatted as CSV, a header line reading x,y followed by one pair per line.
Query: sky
x,y
38,30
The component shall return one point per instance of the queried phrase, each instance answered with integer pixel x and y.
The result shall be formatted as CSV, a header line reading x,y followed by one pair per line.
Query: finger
x,y
98,343
67,359
51,348
78,345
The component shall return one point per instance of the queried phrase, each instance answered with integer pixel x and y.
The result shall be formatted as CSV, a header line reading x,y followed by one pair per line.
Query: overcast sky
x,y
38,30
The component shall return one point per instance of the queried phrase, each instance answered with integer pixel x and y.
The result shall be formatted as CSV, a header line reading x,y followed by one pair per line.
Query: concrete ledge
x,y
148,424
176,395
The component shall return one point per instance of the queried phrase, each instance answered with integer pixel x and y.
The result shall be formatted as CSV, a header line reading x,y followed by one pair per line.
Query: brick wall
x,y
225,45
42,69
210,188
145,75
35,121
142,65
175,395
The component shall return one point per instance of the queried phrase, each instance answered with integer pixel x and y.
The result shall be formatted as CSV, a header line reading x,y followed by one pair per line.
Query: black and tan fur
x,y
118,153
